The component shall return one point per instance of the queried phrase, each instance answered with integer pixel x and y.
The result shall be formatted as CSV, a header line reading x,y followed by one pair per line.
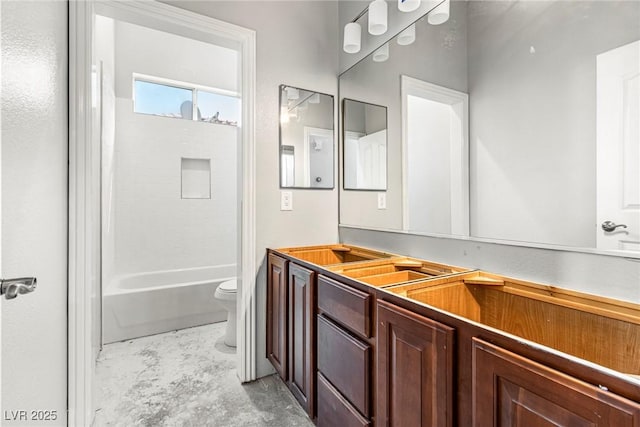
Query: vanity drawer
x,y
349,306
345,361
334,409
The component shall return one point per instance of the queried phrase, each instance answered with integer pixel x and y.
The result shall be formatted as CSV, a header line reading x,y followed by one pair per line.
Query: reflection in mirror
x,y
435,158
306,139
365,145
554,138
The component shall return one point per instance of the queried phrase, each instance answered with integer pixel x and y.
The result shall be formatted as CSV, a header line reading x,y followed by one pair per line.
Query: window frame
x,y
193,87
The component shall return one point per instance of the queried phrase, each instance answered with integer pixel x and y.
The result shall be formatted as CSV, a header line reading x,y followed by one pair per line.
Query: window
x,y
167,98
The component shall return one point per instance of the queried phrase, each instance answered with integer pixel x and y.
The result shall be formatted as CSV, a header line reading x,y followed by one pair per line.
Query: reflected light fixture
x,y
408,5
314,99
408,36
439,14
382,54
377,17
293,93
352,37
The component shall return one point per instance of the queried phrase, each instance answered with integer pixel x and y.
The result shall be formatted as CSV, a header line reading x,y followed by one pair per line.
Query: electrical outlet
x,y
382,200
286,201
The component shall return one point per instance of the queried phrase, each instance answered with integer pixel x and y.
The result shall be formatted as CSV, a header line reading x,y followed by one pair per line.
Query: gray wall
x,y
610,276
296,46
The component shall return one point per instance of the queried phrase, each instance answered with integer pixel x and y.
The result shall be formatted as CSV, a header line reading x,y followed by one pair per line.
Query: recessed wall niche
x,y
196,178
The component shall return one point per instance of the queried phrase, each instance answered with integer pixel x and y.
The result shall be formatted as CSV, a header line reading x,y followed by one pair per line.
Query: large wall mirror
x,y
306,138
512,121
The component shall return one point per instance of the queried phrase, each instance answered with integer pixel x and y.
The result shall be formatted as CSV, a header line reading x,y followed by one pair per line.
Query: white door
x,y
34,208
618,147
372,159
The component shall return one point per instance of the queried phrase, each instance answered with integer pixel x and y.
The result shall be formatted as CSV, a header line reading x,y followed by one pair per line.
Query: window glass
x,y
216,108
163,100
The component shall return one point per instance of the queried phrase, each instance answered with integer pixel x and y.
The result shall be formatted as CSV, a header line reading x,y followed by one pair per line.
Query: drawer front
x,y
334,410
349,306
345,362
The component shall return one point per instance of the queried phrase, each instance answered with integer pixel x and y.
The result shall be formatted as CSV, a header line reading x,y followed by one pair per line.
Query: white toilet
x,y
226,296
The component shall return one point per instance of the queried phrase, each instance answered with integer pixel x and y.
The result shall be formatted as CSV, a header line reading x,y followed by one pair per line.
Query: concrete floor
x,y
187,378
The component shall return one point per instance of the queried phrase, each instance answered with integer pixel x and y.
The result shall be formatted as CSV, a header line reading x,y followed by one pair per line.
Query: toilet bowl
x,y
225,295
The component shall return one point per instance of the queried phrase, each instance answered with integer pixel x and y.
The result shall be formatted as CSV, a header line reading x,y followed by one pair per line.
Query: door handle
x,y
11,288
610,226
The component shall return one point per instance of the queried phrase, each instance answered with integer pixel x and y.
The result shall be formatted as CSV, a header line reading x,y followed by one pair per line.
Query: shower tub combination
x,y
143,304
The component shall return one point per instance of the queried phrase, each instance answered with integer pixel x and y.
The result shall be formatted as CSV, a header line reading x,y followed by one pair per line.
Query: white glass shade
x,y
382,54
408,5
293,93
352,36
377,17
439,14
408,36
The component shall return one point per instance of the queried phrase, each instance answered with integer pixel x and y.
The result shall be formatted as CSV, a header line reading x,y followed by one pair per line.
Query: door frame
x,y
84,199
459,164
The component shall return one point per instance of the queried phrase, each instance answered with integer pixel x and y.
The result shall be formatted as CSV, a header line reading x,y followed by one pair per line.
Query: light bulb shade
x,y
314,99
408,36
352,37
377,17
293,93
382,54
408,5
439,14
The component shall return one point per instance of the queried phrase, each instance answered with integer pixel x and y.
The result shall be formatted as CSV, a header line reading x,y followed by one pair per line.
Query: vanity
x,y
363,337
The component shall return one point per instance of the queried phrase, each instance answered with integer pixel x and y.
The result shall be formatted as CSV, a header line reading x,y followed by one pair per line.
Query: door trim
x,y
84,200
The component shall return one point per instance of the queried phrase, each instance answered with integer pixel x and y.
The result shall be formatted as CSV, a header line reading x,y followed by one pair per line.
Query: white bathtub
x,y
150,303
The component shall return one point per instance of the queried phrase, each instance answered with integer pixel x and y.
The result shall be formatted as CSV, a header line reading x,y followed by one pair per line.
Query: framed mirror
x,y
306,139
364,136
553,136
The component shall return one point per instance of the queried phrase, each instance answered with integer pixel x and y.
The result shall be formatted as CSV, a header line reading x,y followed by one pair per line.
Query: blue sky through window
x,y
165,100
159,99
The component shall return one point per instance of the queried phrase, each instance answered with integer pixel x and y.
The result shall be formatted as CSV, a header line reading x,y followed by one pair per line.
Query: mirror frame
x,y
342,146
280,145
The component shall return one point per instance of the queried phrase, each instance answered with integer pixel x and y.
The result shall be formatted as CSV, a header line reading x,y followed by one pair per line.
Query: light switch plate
x,y
286,201
382,200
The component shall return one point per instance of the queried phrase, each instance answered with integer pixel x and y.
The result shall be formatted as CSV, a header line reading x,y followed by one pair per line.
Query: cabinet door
x,y
510,390
415,362
277,312
302,363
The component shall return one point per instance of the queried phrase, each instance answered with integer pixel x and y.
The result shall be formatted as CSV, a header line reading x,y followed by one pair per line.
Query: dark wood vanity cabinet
x,y
277,313
291,327
360,355
414,369
345,355
510,390
302,336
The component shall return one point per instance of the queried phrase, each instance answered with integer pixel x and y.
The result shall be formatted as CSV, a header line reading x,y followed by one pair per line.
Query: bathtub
x,y
150,303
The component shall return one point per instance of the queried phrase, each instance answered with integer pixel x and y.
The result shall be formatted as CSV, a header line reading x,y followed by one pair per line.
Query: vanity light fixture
x,y
352,37
408,36
439,14
382,54
408,5
377,17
